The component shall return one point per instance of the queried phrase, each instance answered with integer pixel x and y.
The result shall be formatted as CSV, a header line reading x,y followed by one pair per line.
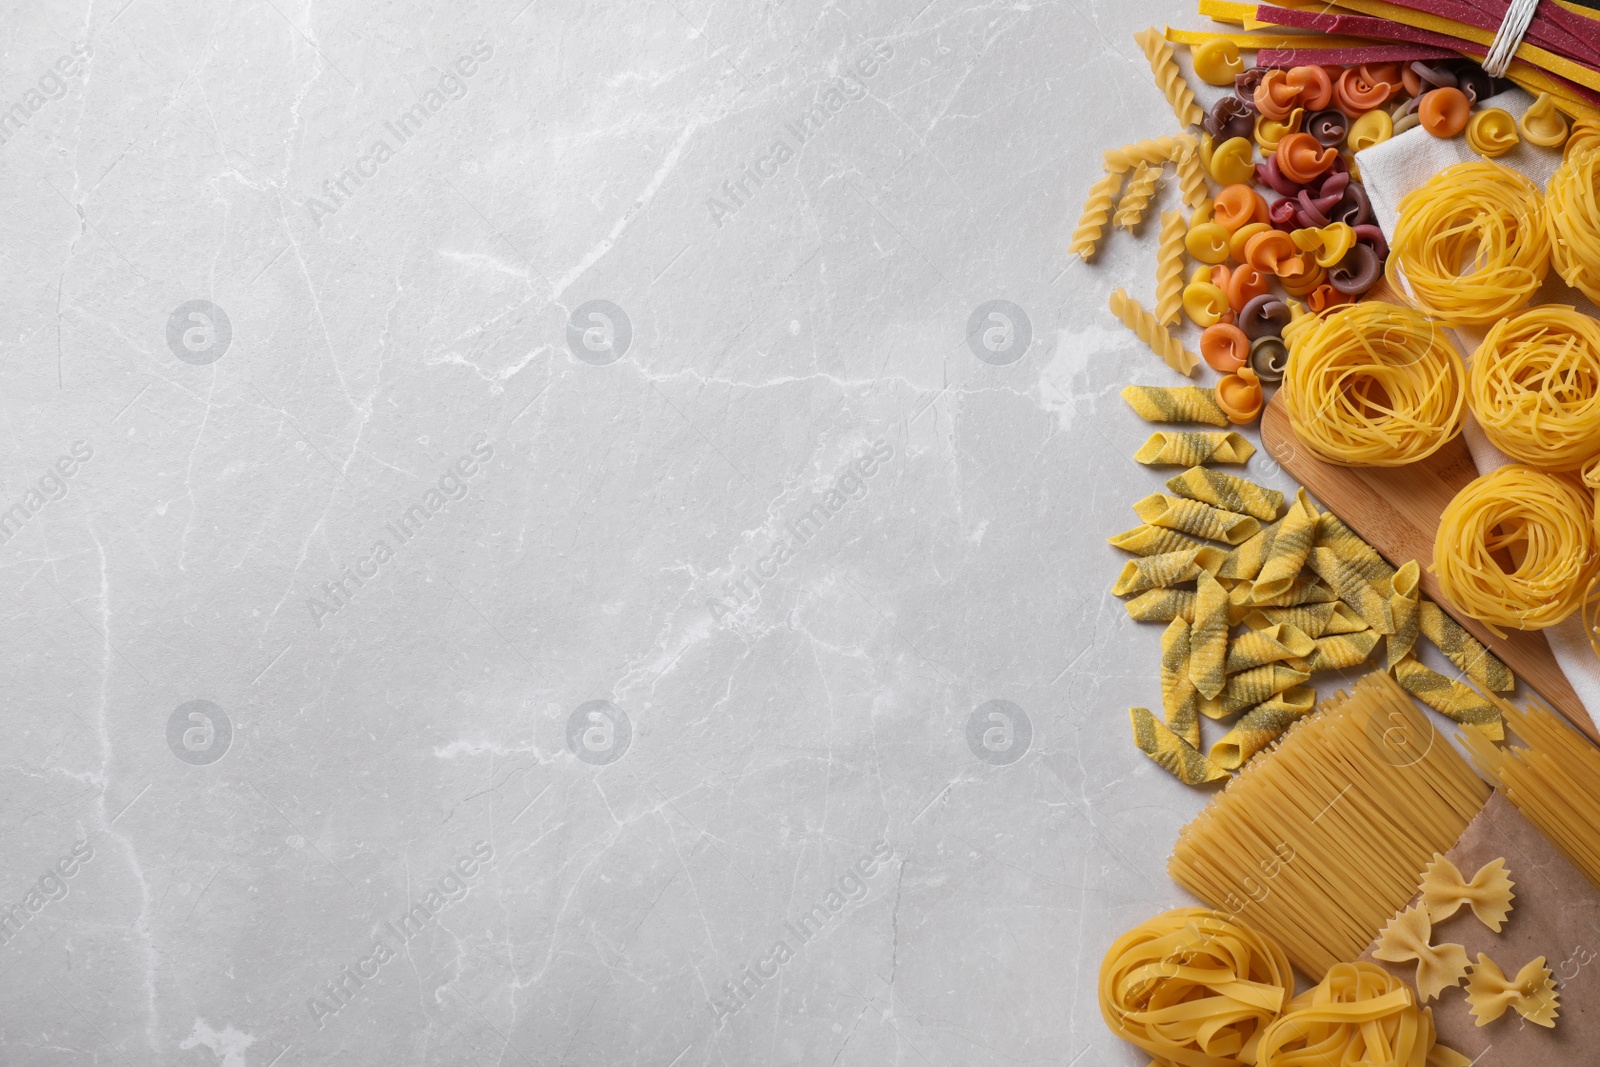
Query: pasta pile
x,y
1258,597
1374,385
1359,1014
1317,846
1534,387
1573,199
1193,988
1471,243
1516,548
1553,779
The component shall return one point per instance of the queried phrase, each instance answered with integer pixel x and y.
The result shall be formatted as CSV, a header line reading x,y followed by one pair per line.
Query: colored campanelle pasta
x,y
1471,245
1541,525
1152,333
1574,218
1184,403
1534,387
1194,988
1374,385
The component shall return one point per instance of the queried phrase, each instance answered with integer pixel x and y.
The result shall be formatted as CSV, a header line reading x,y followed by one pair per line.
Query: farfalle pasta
x,y
1532,993
1488,894
1408,936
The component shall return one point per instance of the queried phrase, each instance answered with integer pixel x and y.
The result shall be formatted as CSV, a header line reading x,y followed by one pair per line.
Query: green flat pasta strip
x,y
1464,650
1193,517
1175,755
1162,605
1405,608
1227,491
1339,652
1352,587
1184,403
1169,568
1180,701
1458,702
1153,541
1289,549
1208,637
1252,687
1187,448
1273,644
1261,725
1246,558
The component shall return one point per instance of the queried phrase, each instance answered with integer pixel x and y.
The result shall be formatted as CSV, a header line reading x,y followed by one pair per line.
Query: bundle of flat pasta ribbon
x,y
1194,988
1573,202
1516,548
1374,385
1471,244
1534,387
1359,1014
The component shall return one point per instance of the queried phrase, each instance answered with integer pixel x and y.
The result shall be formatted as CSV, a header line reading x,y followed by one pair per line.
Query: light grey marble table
x,y
512,555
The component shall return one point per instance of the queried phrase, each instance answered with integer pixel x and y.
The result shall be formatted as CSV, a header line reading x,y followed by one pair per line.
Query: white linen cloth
x,y
1390,170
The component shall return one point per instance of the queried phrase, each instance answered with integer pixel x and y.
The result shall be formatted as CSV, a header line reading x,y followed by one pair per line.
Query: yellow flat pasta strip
x,y
1261,725
1184,403
1227,491
1175,755
1250,688
1193,517
1464,650
1193,38
1179,448
1208,637
1153,541
1169,568
1162,605
1450,698
1180,701
1288,556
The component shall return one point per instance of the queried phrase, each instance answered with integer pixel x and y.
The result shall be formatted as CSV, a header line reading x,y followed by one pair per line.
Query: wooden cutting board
x,y
1397,510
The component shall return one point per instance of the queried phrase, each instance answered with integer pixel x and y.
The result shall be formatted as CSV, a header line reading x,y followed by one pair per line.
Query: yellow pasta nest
x,y
1516,549
1358,1014
1573,202
1374,385
1472,243
1192,987
1534,387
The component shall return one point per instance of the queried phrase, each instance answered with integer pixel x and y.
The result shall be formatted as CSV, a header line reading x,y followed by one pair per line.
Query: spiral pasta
x,y
1169,268
1152,333
1170,79
1573,200
1471,243
1150,150
1373,385
1193,988
1516,549
1137,196
1191,175
1096,213
1534,387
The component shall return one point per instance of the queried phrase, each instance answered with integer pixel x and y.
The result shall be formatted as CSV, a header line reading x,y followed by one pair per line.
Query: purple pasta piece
x,y
1436,75
1357,272
1328,127
1310,212
1331,184
1268,174
1353,206
1230,117
1245,84
1373,236
1264,316
1475,83
1284,214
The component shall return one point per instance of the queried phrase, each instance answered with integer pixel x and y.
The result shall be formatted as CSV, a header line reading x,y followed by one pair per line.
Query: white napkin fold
x,y
1389,171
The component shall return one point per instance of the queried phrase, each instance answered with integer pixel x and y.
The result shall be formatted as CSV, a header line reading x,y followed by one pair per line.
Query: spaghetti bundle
x,y
1573,202
1472,243
1319,843
1534,386
1516,549
1554,780
1194,988
1374,385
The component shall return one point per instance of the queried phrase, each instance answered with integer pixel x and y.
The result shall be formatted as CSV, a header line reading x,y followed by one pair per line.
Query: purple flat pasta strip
x,y
1357,26
1469,15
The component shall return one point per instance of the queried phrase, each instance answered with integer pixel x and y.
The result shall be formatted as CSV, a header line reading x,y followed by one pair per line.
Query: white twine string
x,y
1509,36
